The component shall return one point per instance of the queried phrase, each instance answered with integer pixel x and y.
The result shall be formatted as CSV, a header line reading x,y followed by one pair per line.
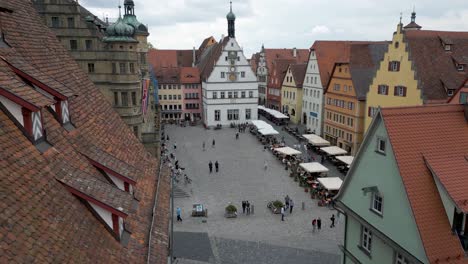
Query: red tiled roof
x,y
189,75
298,71
330,52
160,59
434,132
436,68
277,72
42,221
451,170
168,75
209,57
455,99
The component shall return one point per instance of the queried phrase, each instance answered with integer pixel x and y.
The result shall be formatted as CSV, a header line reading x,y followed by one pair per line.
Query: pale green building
x,y
403,196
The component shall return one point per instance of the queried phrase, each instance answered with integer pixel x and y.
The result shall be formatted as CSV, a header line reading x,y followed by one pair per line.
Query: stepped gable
x,y
42,194
437,68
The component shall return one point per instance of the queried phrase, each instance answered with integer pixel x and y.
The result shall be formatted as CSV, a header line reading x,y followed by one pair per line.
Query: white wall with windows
x,y
230,93
312,107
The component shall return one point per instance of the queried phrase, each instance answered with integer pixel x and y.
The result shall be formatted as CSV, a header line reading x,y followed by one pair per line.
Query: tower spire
x,y
120,14
413,15
231,18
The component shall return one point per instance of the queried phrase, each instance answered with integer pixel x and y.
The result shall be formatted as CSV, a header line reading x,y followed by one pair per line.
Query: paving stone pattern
x,y
242,177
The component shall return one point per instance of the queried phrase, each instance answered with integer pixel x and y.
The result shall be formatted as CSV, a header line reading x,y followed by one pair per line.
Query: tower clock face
x,y
232,69
232,76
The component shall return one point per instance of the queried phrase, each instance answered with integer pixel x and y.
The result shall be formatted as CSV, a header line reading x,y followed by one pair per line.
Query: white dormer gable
x,y
112,221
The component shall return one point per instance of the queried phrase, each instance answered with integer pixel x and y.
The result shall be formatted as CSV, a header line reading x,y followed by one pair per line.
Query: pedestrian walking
x,y
323,159
167,138
179,219
237,136
286,201
213,143
291,205
314,224
203,145
332,219
319,223
217,166
175,145
265,165
247,205
211,166
282,213
244,205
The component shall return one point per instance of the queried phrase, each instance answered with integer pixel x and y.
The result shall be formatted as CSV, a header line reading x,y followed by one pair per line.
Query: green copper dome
x,y
120,29
132,20
230,15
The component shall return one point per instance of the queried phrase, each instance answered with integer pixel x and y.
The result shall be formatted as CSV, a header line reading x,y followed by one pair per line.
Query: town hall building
x,y
229,85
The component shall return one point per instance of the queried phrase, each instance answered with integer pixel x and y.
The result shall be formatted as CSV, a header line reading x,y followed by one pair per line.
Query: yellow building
x,y
420,67
346,94
291,99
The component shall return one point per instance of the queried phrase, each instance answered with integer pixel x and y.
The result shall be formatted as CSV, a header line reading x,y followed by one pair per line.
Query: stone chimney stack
x,y
294,52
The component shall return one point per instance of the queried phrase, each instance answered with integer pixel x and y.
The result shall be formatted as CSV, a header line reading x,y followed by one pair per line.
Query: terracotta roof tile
x,y
209,57
436,70
189,75
298,71
38,213
429,131
168,75
170,58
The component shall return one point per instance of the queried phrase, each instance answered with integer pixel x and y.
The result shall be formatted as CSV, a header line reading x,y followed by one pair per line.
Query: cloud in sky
x,y
182,24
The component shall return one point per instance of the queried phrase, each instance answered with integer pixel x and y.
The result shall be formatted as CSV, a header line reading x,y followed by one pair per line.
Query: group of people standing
x,y
210,165
246,207
288,205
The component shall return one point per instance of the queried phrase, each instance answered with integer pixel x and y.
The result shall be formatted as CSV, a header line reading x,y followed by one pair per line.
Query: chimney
x,y
294,52
193,57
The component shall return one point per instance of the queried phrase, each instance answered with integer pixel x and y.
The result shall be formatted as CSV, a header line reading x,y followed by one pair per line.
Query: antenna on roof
x,y
401,16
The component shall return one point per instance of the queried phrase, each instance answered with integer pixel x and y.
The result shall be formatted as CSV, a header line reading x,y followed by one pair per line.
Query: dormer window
x,y
460,67
447,47
450,92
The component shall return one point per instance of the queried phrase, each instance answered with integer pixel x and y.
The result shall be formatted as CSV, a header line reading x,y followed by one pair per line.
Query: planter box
x,y
230,215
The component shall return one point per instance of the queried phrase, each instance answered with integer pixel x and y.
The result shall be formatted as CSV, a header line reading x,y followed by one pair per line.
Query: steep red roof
x,y
431,133
330,52
189,75
168,75
209,57
43,211
298,71
436,68
277,72
456,98
302,55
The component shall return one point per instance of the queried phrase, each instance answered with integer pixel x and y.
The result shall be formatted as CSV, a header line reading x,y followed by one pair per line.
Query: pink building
x,y
191,87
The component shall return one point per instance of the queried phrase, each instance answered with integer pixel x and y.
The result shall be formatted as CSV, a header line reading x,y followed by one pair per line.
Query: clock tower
x,y
231,18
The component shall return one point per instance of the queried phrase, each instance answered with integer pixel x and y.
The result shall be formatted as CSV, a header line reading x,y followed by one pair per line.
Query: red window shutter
x,y
27,120
127,186
115,224
398,66
369,111
389,66
395,90
404,91
386,89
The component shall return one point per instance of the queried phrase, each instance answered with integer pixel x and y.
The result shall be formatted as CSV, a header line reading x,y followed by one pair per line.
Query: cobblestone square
x,y
242,177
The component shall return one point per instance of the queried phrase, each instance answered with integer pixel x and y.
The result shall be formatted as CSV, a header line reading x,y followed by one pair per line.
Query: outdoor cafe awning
x,y
288,151
334,150
330,183
260,124
273,112
313,167
268,131
316,140
346,159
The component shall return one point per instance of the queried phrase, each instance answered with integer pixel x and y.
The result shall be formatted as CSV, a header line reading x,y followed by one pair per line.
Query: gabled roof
x,y
456,98
298,71
278,71
431,133
364,62
209,57
435,67
330,52
12,85
205,43
44,220
189,75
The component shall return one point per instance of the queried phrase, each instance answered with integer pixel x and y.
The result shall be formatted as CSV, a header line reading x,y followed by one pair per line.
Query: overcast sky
x,y
182,24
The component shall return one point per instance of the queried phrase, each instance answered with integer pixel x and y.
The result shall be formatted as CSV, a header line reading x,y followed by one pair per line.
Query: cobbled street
x,y
258,238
